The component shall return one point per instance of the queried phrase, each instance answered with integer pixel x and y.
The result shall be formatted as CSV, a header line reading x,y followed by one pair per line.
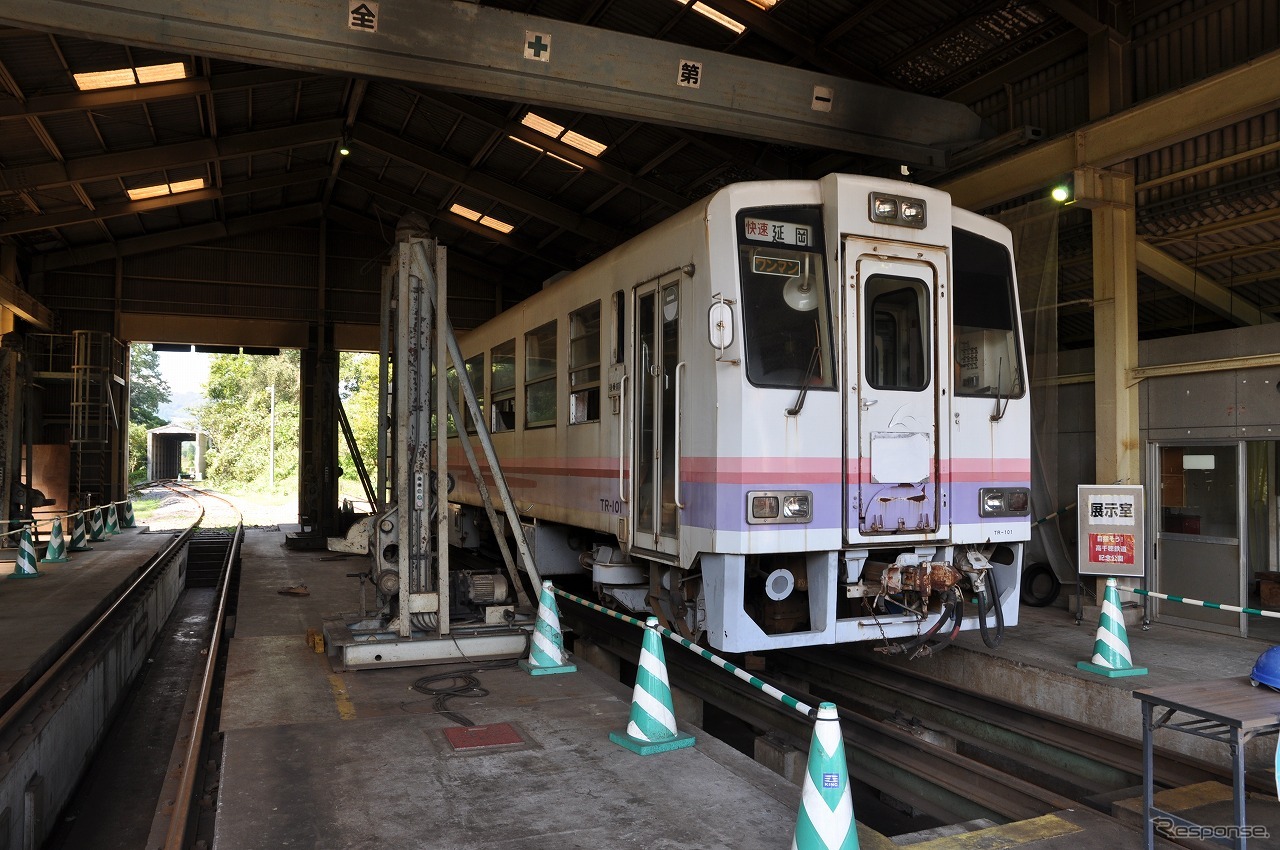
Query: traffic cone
x,y
1111,648
56,553
95,526
25,566
78,543
126,519
113,521
546,654
826,806
653,719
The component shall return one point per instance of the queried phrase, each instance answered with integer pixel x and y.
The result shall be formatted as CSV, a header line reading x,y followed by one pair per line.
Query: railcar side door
x,y
655,365
893,389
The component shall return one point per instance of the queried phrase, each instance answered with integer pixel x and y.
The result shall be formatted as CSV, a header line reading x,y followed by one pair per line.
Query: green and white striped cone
x,y
25,566
95,526
826,805
78,543
652,728
56,553
113,520
126,514
1111,648
546,653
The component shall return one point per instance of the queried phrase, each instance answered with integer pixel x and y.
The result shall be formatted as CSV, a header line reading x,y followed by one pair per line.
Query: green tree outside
x,y
147,391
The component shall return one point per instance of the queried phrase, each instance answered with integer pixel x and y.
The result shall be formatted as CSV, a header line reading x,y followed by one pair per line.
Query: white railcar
x,y
795,413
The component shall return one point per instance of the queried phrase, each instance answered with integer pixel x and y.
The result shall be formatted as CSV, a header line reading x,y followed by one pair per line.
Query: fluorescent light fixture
x,y
158,189
1198,461
487,220
544,151
557,131
130,76
764,4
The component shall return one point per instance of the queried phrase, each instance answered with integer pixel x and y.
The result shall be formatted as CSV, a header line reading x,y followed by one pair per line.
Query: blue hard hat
x,y
1266,670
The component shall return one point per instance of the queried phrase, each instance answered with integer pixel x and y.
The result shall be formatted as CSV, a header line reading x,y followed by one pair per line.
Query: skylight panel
x,y
118,77
158,189
721,19
487,220
557,131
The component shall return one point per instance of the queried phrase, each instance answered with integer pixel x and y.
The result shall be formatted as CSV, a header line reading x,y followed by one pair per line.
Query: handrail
x,y
623,421
676,471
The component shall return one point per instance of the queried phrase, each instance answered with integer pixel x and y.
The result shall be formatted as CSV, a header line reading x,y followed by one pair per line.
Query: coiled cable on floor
x,y
457,683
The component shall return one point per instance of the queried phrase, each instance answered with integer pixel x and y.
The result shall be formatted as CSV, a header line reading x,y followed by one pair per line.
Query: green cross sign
x,y
538,46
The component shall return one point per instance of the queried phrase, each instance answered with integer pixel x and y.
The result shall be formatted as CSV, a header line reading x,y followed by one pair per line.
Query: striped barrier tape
x,y
1187,600
67,516
785,699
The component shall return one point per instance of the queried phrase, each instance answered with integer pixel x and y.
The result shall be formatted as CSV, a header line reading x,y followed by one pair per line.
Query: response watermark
x,y
1208,831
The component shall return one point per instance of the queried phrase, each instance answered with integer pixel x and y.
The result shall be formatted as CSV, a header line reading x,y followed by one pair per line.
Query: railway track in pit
x,y
942,754
150,782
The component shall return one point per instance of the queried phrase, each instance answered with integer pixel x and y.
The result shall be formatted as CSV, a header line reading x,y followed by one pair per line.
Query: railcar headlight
x,y
796,506
895,209
1004,501
779,506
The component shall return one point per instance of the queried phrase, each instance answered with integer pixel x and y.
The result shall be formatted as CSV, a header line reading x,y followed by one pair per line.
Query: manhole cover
x,y
475,737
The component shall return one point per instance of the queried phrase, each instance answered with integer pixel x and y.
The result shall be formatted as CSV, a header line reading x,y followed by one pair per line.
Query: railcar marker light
x,y
764,507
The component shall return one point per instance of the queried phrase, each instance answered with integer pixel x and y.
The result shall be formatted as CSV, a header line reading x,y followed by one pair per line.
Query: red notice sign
x,y
1111,548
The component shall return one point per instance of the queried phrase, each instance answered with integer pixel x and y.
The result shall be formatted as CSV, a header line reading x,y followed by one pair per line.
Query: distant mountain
x,y
180,405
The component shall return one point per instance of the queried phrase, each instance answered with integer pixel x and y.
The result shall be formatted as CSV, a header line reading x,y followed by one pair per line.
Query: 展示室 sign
x,y
1111,530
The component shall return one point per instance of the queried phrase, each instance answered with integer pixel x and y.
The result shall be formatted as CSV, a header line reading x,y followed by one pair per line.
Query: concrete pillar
x,y
202,443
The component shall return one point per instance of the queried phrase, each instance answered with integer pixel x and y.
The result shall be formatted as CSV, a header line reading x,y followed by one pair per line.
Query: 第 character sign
x,y
1111,526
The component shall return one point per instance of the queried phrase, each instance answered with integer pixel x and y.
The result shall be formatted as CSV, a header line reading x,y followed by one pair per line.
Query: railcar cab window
x,y
786,304
897,333
502,386
584,364
985,332
540,376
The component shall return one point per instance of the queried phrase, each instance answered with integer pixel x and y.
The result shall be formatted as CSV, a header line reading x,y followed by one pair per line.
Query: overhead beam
x,y
577,156
176,238
53,104
465,47
396,147
1186,281
1221,100
22,303
105,166
83,215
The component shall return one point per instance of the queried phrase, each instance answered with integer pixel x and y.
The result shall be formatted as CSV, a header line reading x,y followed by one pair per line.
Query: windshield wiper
x,y
808,376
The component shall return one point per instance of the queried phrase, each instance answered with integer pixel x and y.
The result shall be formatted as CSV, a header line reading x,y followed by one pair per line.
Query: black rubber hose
x,y
985,600
956,606
921,639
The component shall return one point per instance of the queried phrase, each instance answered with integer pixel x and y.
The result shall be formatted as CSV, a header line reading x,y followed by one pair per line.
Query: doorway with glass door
x,y
1216,540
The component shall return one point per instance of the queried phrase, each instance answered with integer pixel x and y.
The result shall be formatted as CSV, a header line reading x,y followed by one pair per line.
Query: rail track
x,y
942,754
111,806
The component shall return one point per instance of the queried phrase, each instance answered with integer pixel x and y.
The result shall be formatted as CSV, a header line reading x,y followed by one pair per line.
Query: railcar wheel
x,y
1040,586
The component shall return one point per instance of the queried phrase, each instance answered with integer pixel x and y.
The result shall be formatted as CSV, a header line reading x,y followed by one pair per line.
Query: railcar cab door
x,y
892,476
655,437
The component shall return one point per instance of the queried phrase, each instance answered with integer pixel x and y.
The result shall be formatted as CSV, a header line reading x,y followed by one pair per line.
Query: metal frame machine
x,y
427,609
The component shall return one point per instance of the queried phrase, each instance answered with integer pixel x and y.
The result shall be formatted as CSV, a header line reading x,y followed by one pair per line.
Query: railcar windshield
x,y
786,305
986,325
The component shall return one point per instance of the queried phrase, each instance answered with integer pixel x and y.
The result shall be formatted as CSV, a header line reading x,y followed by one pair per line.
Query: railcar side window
x,y
455,390
502,385
475,375
986,327
584,364
540,376
786,303
897,333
